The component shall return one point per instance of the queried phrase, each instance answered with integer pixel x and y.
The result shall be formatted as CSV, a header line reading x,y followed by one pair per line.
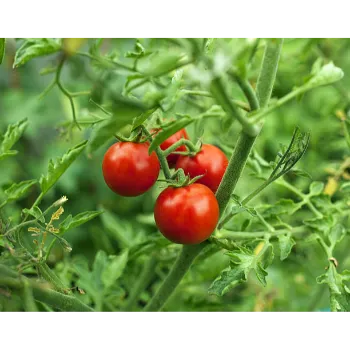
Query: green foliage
x,y
32,48
295,205
58,167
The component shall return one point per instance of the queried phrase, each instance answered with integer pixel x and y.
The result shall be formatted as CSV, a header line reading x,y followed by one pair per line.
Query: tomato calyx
x,y
179,179
136,136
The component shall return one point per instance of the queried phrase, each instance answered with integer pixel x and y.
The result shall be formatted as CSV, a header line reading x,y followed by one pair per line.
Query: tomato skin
x,y
128,169
186,215
210,162
172,158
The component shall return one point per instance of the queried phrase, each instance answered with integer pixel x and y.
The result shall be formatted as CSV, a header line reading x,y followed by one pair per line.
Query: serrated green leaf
x,y
316,188
339,292
167,131
71,222
18,190
320,224
286,243
242,261
32,48
57,168
282,207
337,233
2,49
327,74
114,269
35,212
312,238
228,279
12,135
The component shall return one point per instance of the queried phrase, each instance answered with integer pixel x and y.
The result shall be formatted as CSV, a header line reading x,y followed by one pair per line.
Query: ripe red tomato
x,y
210,162
187,215
128,169
172,158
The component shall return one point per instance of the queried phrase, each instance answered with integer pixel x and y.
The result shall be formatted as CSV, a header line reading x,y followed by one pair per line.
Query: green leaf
x,y
337,233
142,118
286,243
114,269
35,212
124,111
167,131
121,231
320,224
32,48
148,246
162,63
2,49
301,173
12,135
282,207
316,188
95,47
57,168
327,74
339,292
71,222
242,261
18,190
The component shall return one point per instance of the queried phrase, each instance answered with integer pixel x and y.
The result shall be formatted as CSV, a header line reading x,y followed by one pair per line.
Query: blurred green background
x,y
291,283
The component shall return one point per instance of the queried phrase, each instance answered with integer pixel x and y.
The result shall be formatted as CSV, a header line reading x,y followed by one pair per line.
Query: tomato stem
x,y
179,269
160,154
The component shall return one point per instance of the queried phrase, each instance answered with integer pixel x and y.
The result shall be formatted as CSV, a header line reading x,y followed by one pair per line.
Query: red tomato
x,y
187,215
172,158
128,169
210,162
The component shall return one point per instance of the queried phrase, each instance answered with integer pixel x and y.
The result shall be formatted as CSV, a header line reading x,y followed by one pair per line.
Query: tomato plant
x,y
210,162
243,180
128,169
186,215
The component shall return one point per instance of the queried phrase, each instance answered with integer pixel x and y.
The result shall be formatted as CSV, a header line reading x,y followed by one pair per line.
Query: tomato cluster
x,y
186,215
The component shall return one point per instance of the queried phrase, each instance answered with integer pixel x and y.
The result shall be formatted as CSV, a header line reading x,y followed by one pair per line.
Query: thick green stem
x,y
179,269
234,169
268,71
142,283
